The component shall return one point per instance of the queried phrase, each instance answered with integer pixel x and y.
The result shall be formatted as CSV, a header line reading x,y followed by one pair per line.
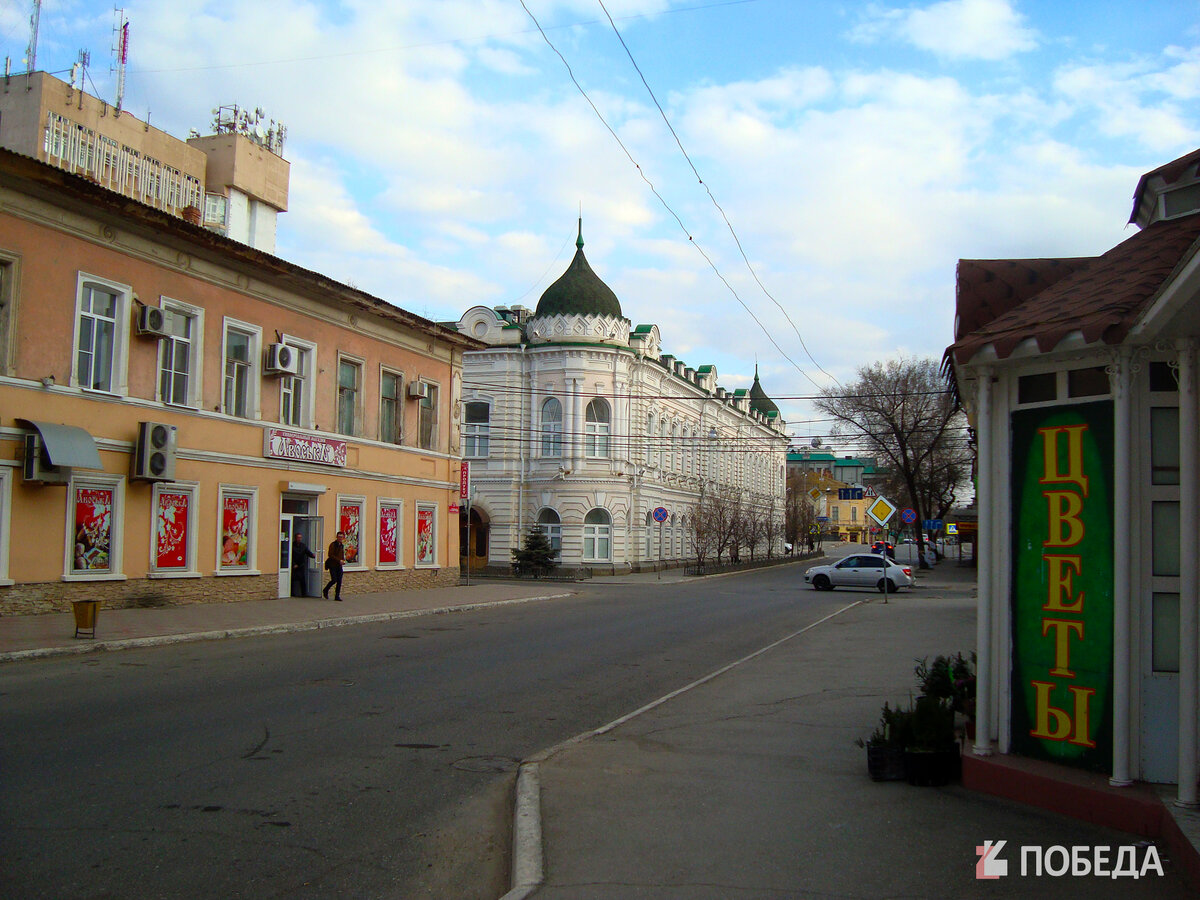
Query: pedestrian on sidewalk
x,y
335,561
300,557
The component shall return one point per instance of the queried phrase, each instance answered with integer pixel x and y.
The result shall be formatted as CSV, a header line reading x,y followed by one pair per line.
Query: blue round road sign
x,y
908,516
660,514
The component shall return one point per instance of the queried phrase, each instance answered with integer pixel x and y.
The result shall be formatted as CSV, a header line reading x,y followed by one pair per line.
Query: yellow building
x,y
176,406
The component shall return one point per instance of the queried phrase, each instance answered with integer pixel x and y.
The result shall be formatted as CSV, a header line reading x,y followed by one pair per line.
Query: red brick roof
x,y
1005,302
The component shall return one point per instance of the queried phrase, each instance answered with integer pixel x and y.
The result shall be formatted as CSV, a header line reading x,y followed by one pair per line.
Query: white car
x,y
865,571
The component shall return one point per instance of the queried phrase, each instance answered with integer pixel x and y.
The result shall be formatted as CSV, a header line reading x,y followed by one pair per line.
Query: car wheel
x,y
822,583
891,586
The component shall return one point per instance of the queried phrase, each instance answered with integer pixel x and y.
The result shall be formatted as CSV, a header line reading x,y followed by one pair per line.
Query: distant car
x,y
877,547
863,572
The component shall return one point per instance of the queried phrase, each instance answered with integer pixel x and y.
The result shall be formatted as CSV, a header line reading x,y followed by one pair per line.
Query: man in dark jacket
x,y
334,562
300,557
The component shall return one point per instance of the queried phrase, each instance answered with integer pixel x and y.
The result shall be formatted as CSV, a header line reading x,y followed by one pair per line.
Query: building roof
x,y
759,399
1169,173
579,291
1101,298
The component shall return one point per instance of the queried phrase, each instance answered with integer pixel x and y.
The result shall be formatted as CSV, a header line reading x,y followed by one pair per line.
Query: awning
x,y
67,446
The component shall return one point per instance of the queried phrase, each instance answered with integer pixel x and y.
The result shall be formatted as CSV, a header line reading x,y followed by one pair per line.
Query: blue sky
x,y
441,154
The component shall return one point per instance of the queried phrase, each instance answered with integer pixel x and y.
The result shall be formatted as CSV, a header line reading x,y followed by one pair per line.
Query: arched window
x,y
676,452
597,535
552,526
651,450
552,426
597,428
649,535
476,429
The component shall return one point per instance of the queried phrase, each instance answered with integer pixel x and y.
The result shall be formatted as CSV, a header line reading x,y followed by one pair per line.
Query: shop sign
x,y
1062,602
299,447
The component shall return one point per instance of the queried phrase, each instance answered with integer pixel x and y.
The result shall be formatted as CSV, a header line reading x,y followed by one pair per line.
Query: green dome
x,y
759,399
579,291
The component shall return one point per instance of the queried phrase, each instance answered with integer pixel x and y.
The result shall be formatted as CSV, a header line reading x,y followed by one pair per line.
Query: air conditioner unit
x,y
152,322
283,360
36,467
154,456
418,389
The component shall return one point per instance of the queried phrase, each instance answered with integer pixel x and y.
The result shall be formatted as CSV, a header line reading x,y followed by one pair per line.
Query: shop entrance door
x,y
295,518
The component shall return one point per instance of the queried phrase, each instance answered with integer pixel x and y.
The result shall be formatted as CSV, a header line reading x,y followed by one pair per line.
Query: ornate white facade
x,y
575,421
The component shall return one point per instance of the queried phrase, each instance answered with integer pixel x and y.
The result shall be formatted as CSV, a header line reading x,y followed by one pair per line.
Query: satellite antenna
x,y
815,443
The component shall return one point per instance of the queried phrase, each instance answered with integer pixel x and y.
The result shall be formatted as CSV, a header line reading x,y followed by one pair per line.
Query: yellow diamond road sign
x,y
881,510
815,494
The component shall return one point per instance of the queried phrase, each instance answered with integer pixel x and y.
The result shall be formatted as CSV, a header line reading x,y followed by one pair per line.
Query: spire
x,y
579,240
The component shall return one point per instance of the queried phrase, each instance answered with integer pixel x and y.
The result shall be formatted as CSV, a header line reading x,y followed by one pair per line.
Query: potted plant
x,y
885,746
931,755
952,679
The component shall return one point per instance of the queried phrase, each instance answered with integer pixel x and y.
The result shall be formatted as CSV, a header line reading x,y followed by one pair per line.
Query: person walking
x,y
335,561
300,557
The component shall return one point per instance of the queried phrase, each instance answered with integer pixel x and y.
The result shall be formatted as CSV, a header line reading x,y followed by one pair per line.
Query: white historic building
x,y
577,421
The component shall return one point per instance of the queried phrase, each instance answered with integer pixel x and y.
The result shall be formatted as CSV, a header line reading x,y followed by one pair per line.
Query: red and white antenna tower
x,y
31,50
121,49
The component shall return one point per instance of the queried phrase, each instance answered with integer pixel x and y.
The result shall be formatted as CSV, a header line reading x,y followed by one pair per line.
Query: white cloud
x,y
953,29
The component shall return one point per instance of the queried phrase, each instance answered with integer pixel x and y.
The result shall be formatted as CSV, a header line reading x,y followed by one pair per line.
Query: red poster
x,y
93,529
426,552
235,532
388,520
350,524
172,514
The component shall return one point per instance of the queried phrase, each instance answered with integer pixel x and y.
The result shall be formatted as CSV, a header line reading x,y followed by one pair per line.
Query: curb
x,y
528,857
258,630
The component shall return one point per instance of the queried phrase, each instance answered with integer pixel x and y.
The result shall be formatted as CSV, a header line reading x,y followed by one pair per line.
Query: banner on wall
x,y
93,529
350,524
235,532
388,520
1062,600
172,516
426,550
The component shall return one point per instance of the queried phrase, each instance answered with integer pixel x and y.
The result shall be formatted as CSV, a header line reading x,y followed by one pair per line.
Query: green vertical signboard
x,y
1062,601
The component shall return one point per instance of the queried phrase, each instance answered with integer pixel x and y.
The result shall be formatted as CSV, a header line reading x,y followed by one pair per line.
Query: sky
x,y
780,183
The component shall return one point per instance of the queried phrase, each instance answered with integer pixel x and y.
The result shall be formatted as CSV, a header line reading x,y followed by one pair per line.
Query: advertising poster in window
x,y
93,529
235,533
172,527
350,524
1062,584
426,548
388,520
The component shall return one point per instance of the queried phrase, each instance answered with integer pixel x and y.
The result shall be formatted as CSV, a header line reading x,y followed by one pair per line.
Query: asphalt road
x,y
372,761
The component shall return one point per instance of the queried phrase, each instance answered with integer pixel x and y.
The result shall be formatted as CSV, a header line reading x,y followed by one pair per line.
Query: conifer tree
x,y
537,556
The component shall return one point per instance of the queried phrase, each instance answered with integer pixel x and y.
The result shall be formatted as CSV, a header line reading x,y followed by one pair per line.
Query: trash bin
x,y
85,617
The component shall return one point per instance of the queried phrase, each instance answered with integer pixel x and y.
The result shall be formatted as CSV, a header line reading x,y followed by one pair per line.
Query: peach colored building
x,y
175,406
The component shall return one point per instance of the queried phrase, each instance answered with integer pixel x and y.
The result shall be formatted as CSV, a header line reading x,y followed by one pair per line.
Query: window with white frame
x,y
552,428
349,393
237,520
6,479
597,428
476,429
551,524
350,522
240,356
296,391
180,354
427,417
173,547
391,407
427,535
9,277
597,535
651,450
102,310
95,515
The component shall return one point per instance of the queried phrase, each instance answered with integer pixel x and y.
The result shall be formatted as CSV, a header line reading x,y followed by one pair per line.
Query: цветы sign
x,y
1062,602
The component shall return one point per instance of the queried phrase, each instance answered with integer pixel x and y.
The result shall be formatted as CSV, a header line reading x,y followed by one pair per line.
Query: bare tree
x,y
800,515
901,410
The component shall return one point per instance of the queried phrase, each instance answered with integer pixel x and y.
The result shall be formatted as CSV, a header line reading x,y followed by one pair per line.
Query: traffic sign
x,y
815,493
951,528
881,510
454,509
908,516
660,514
814,529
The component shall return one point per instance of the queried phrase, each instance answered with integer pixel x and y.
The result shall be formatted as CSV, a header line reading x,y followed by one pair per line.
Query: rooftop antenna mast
x,y
121,49
31,50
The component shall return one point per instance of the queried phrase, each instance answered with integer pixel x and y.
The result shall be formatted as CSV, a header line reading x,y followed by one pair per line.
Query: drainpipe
x,y
1189,614
526,362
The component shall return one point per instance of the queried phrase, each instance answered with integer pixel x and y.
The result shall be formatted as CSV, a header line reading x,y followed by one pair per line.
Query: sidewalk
x,y
25,637
749,785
